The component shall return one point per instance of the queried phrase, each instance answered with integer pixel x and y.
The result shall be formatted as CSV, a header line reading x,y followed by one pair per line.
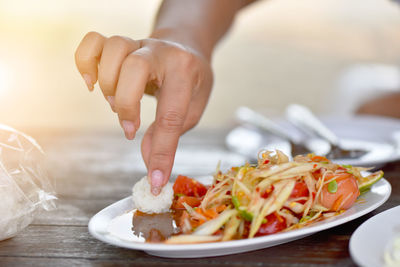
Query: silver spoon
x,y
249,116
303,118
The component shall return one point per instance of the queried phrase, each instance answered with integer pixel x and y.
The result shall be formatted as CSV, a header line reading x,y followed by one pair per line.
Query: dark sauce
x,y
156,228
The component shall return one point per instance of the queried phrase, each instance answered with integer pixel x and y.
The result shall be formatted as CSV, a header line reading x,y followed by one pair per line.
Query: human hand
x,y
179,77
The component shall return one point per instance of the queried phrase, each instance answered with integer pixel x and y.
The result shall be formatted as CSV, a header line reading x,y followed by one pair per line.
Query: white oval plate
x,y
99,225
380,136
369,241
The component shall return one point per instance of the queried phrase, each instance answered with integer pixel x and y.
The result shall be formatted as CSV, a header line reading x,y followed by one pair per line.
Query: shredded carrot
x,y
337,203
318,158
212,212
221,208
280,219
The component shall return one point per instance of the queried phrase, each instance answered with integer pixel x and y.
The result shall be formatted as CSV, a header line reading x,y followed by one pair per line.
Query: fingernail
x,y
110,100
157,179
129,129
88,81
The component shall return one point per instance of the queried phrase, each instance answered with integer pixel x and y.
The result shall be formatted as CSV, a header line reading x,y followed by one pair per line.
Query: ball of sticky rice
x,y
146,202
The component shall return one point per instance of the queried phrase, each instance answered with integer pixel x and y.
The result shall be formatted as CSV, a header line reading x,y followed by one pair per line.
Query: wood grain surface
x,y
93,170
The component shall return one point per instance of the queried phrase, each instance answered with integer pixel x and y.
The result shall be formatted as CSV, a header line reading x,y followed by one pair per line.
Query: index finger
x,y
87,56
172,107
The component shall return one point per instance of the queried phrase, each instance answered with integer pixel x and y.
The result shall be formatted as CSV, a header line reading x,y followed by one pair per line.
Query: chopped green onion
x,y
312,213
332,187
235,202
248,216
264,221
347,166
304,219
179,195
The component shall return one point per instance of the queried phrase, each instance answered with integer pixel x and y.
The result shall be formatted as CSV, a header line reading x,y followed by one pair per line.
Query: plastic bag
x,y
25,187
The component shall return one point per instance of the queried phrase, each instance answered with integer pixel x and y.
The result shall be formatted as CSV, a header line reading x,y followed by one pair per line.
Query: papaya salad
x,y
274,195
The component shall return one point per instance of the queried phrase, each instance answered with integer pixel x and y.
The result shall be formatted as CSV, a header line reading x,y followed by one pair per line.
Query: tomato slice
x,y
300,190
273,225
189,187
346,193
191,201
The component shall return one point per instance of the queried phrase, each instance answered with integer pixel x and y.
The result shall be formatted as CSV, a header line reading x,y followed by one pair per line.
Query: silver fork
x,y
304,119
249,116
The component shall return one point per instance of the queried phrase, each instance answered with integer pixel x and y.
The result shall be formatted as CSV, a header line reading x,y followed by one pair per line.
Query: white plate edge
x,y
234,243
352,238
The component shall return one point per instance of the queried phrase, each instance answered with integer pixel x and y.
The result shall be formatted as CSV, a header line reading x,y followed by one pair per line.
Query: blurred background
x,y
277,52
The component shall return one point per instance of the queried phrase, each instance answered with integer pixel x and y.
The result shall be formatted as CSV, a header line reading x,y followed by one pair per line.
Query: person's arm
x,y
175,60
197,24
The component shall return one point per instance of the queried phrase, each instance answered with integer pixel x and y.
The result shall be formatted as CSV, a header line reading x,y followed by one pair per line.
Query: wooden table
x,y
93,170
